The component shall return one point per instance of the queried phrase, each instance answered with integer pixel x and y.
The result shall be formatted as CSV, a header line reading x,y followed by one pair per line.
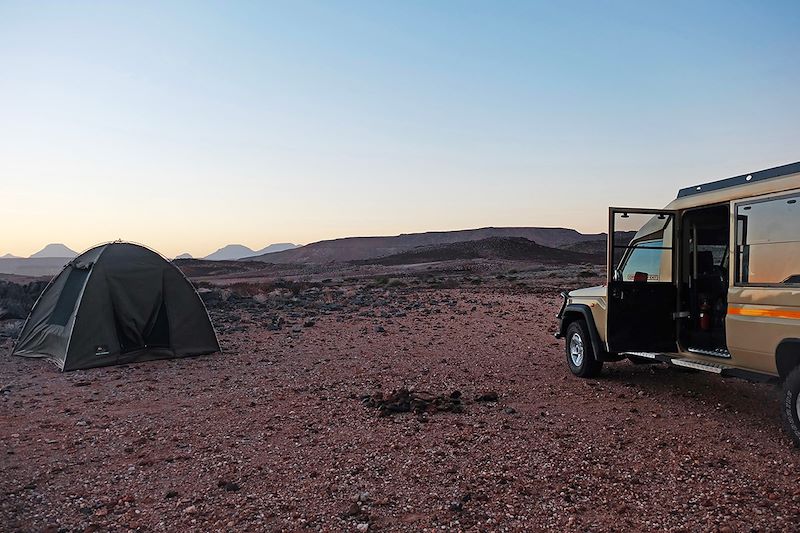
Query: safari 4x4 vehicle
x,y
711,282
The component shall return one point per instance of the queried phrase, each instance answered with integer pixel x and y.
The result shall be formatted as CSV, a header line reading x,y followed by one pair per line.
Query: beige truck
x,y
711,282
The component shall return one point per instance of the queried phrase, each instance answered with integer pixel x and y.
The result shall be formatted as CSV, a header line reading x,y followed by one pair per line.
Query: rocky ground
x,y
389,404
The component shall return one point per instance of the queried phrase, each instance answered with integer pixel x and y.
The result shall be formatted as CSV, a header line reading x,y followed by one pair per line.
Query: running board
x,y
714,368
715,352
646,355
707,367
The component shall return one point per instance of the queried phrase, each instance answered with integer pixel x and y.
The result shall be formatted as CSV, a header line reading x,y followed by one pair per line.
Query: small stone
x,y
232,487
487,397
192,509
353,510
362,527
380,329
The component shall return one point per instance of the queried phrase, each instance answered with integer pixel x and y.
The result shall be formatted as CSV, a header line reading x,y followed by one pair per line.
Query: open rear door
x,y
642,293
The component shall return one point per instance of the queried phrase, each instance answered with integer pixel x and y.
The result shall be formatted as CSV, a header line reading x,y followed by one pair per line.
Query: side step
x,y
717,352
708,367
714,368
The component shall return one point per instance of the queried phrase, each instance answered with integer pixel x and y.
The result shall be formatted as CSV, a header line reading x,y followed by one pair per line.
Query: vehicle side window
x,y
768,242
644,259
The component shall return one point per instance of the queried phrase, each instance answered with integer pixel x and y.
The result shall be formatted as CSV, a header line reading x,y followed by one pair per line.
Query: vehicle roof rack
x,y
775,172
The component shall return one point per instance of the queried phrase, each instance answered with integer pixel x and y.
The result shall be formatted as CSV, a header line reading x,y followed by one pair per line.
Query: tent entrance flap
x,y
139,315
158,336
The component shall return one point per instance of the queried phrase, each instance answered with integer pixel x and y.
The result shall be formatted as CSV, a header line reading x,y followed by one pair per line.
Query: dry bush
x,y
17,300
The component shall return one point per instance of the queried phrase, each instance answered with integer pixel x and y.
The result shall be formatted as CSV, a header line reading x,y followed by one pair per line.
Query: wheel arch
x,y
787,356
573,312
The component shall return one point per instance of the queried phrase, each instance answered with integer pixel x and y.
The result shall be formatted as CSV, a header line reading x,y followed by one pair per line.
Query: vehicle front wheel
x,y
581,358
790,407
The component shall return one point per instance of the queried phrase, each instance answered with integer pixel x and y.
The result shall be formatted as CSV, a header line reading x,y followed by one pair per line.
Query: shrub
x,y
17,300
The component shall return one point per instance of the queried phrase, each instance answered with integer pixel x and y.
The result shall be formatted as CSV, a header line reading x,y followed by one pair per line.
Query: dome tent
x,y
113,304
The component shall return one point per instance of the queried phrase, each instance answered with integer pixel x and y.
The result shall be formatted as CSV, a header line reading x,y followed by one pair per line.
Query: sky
x,y
186,126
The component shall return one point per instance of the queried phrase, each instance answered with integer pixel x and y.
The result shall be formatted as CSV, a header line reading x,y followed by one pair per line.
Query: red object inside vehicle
x,y
640,276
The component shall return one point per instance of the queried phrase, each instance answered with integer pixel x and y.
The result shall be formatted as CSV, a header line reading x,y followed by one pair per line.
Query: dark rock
x,y
353,510
487,397
456,506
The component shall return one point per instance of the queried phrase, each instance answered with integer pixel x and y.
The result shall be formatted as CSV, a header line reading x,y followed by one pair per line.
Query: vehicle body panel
x,y
595,299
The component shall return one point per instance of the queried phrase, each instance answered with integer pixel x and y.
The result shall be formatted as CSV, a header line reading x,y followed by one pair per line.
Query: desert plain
x,y
388,398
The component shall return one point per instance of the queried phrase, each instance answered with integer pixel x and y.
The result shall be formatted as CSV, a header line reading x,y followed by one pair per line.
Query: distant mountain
x,y
184,256
278,247
239,251
54,250
9,256
599,246
230,252
363,248
511,248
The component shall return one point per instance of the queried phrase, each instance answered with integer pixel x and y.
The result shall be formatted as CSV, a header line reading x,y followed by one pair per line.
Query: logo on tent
x,y
101,350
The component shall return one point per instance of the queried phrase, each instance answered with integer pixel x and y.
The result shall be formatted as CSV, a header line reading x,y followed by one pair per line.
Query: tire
x,y
790,406
581,358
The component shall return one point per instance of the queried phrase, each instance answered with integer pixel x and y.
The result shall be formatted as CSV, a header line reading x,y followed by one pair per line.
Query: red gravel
x,y
274,434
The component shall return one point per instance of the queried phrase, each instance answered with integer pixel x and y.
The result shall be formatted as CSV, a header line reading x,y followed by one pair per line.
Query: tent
x,y
113,304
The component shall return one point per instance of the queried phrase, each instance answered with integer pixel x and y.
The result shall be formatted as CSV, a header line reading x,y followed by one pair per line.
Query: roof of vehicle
x,y
771,180
744,179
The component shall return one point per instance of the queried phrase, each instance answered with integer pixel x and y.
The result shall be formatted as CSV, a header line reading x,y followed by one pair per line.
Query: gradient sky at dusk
x,y
189,125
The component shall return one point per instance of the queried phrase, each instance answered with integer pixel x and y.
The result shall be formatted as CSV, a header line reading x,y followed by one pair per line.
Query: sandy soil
x,y
275,435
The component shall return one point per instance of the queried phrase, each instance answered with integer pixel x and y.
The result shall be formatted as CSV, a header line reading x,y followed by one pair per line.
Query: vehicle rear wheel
x,y
790,407
581,358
